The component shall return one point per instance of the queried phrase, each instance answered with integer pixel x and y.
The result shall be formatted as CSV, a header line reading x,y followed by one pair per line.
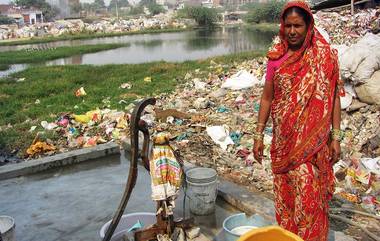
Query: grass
x,y
36,40
36,56
264,27
54,89
4,67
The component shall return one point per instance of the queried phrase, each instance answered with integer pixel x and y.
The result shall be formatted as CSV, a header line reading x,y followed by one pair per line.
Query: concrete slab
x,y
59,160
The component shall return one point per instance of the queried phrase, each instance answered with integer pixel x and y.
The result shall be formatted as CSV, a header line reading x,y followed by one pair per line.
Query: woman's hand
x,y
258,148
335,151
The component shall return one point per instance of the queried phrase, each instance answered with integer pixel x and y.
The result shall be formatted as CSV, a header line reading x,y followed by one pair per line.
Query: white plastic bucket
x,y
126,222
202,190
7,228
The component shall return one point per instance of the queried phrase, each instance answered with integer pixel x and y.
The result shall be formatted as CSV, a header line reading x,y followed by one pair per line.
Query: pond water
x,y
173,47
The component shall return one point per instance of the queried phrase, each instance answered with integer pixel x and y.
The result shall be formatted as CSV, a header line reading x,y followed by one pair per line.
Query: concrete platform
x,y
73,202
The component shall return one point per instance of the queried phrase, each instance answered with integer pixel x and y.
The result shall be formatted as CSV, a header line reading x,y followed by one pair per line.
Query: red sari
x,y
304,90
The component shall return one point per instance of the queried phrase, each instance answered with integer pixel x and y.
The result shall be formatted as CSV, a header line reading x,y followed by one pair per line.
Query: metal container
x,y
7,228
238,224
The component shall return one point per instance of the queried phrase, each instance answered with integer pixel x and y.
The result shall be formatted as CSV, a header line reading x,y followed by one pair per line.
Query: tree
x,y
203,16
75,7
136,10
264,12
147,2
155,9
120,4
48,11
98,4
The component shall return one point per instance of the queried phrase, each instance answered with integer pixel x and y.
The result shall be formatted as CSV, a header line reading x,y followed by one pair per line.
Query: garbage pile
x,y
77,26
346,29
358,173
79,131
357,40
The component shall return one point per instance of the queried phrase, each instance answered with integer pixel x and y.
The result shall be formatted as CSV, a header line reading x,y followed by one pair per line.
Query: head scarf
x,y
304,90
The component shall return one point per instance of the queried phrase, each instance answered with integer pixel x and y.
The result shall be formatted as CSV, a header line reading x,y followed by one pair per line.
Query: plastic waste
x,y
48,126
236,136
63,121
80,92
222,109
241,80
199,85
82,118
39,147
220,135
136,226
148,79
126,86
240,100
201,103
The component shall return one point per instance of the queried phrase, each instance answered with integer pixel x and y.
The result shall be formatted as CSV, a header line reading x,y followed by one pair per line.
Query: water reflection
x,y
13,69
203,39
174,47
150,44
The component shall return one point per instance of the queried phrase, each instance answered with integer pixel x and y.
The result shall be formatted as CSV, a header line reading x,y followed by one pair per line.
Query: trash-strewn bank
x,y
45,93
77,29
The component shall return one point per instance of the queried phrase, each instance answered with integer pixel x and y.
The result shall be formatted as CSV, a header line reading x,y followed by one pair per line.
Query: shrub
x,y
264,12
155,9
6,20
203,16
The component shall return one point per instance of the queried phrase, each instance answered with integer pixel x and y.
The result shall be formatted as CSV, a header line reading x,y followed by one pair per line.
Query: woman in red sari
x,y
301,95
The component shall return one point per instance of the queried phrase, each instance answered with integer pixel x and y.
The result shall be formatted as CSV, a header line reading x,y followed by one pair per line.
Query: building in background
x,y
22,16
237,3
193,3
215,3
208,3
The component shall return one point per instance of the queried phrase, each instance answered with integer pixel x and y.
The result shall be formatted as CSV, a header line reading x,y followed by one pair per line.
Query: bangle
x,y
258,136
337,135
260,124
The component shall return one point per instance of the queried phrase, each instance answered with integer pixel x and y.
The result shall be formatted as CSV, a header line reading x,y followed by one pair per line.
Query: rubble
x,y
346,29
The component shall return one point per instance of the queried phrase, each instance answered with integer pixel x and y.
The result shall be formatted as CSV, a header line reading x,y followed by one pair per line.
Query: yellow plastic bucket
x,y
270,233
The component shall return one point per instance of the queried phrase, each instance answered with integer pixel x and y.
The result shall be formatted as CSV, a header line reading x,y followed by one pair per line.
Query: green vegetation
x,y
54,89
202,15
31,56
264,12
119,8
137,10
86,36
75,7
155,9
98,4
4,67
6,20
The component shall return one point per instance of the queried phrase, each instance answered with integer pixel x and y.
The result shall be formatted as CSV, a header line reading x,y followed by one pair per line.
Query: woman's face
x,y
295,30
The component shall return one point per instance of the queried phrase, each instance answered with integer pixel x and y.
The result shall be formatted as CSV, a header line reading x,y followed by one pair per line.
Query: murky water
x,y
174,47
